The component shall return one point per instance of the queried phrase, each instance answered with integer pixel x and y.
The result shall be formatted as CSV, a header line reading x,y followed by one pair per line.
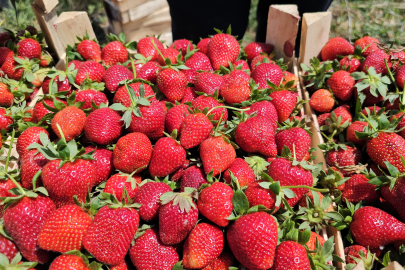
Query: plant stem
x,y
9,151
391,77
154,45
228,107
16,183
308,187
219,122
368,121
133,67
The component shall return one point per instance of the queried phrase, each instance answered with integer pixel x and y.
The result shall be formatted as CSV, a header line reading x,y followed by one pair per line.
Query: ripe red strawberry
x,y
7,248
312,241
373,110
5,37
198,61
91,69
75,63
146,48
303,201
344,112
122,95
106,241
372,228
208,82
344,157
253,240
29,136
265,72
394,195
69,261
132,152
64,229
148,196
287,174
353,251
215,203
167,157
241,64
178,174
376,60
103,163
202,102
256,48
40,111
222,49
296,139
61,85
241,170
149,71
256,135
189,95
288,76
88,96
202,46
174,118
70,120
5,120
178,215
89,50
172,83
295,260
122,266
182,44
336,46
117,182
342,85
353,62
217,154
103,126
29,48
114,75
24,220
204,244
371,45
113,53
4,53
322,101
170,53
351,135
257,195
194,130
5,186
9,67
266,109
259,60
235,87
284,101
193,177
30,163
223,262
357,189
150,253
400,77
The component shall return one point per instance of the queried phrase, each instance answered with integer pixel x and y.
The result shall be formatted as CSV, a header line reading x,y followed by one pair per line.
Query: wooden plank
x,y
123,5
282,28
159,17
72,24
144,10
314,34
45,21
61,65
46,5
153,30
35,99
12,164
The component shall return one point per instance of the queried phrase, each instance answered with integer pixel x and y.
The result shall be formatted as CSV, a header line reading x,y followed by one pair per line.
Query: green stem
x,y
308,187
228,107
67,64
129,94
368,121
391,77
219,122
9,151
16,183
154,45
321,266
133,67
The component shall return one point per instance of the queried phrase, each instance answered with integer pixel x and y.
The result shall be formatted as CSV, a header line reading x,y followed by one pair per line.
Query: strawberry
x,y
4,53
265,72
372,110
223,262
353,251
322,101
266,109
15,66
311,244
88,96
113,53
193,177
207,82
194,130
172,83
149,71
203,102
5,186
296,139
236,88
103,162
174,118
253,240
149,252
217,154
198,61
178,174
342,112
114,75
61,85
342,85
369,45
30,163
148,196
376,59
372,228
89,50
256,48
258,195
122,266
342,157
76,64
122,96
64,229
256,135
178,214
71,122
189,95
7,248
259,60
400,77
400,125
222,49
29,48
202,46
132,152
167,157
287,174
303,201
351,62
284,101
93,70
169,53
204,244
182,44
106,241
357,189
27,137
146,47
5,119
103,126
351,133
336,46
241,170
288,76
242,65
291,255
5,37
70,261
117,182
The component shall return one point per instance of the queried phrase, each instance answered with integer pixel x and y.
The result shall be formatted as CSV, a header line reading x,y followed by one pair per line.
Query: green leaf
x,y
304,236
118,107
4,260
240,202
275,187
289,193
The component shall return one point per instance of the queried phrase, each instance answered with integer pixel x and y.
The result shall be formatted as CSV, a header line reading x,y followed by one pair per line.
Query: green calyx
x,y
331,179
323,255
368,260
112,201
335,125
317,72
15,263
94,265
258,165
122,38
18,113
389,178
183,199
347,216
378,84
29,66
19,89
178,66
288,124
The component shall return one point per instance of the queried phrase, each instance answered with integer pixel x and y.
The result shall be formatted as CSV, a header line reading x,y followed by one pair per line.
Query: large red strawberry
x,y
256,48
89,96
40,111
253,240
204,244
217,154
193,177
207,83
103,163
70,120
29,136
266,71
10,68
149,71
357,189
116,183
369,45
30,163
194,130
342,85
284,101
174,118
113,53
222,49
7,248
146,47
377,59
241,170
103,126
91,69
114,75
236,88
89,50
296,139
295,260
202,46
172,83
149,252
215,203
29,48
335,47
132,152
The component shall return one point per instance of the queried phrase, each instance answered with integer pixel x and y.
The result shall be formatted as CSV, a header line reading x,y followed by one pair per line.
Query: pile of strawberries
x,y
359,95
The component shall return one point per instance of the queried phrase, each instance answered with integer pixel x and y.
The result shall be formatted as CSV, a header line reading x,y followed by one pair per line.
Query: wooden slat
x,y
143,10
153,30
12,164
46,5
123,5
159,17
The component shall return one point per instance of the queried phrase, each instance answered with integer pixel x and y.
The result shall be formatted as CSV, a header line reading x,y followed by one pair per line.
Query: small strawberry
x,y
27,137
122,96
357,189
296,260
342,85
89,69
193,177
70,261
146,47
114,75
29,48
242,65
217,154
17,66
256,48
149,71
202,46
89,49
367,45
311,244
194,130
266,109
172,83
288,76
264,72
64,85
377,60
322,101
351,62
207,82
103,126
241,170
117,182
236,87
352,252
284,101
222,49
223,262
336,46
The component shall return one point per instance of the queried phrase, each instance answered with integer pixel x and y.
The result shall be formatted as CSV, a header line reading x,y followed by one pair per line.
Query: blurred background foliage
x,y
383,19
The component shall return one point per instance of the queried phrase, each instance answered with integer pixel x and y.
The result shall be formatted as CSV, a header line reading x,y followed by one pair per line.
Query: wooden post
x,y
282,28
314,34
46,5
71,24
